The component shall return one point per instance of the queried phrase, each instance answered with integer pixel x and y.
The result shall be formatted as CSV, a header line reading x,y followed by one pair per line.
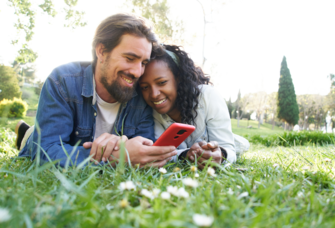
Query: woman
x,y
178,91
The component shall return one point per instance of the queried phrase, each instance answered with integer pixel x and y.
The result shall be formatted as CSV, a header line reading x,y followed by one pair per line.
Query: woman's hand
x,y
203,151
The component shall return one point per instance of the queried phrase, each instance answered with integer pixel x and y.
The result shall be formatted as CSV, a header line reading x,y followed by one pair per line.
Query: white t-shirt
x,y
106,114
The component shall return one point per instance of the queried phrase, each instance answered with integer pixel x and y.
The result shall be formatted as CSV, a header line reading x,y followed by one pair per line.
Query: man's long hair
x,y
110,31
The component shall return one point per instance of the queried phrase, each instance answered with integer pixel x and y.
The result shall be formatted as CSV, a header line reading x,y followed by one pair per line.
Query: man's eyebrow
x,y
135,56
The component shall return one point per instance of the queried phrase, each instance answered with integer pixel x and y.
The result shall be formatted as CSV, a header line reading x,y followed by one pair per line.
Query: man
x,y
80,102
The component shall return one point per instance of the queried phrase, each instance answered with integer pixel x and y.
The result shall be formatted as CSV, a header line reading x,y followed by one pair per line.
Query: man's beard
x,y
117,91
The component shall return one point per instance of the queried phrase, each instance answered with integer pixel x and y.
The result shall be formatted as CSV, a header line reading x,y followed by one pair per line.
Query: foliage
x,y
15,108
294,138
25,12
312,109
157,11
275,190
25,72
9,85
288,109
38,88
330,99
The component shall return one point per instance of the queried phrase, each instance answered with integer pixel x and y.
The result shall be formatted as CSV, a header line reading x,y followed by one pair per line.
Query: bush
x,y
294,138
9,85
13,108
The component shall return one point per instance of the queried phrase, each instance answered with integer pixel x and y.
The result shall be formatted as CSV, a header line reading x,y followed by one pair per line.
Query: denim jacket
x,y
212,123
67,115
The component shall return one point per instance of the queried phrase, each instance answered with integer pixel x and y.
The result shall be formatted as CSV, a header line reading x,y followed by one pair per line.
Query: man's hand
x,y
203,151
142,152
103,146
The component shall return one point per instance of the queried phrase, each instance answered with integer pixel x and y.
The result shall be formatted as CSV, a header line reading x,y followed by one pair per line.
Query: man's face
x,y
124,65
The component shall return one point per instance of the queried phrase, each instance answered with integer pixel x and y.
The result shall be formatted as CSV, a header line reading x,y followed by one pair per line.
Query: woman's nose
x,y
155,92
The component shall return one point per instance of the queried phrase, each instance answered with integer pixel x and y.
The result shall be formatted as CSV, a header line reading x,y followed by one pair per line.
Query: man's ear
x,y
99,51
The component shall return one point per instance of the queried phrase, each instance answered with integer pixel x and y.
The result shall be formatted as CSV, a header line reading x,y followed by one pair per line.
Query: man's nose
x,y
137,70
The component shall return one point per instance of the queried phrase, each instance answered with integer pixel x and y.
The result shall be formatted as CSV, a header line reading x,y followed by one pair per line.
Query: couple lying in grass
x,y
133,90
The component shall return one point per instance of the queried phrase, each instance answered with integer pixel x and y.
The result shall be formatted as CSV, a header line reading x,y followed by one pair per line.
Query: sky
x,y
244,45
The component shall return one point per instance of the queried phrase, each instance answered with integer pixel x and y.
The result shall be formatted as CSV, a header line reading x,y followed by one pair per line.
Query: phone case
x,y
174,135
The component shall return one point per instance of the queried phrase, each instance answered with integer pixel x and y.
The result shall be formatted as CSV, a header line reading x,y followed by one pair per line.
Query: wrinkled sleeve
x,y
55,117
145,127
218,122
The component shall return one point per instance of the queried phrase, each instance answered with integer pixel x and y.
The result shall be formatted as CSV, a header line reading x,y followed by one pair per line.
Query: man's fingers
x,y
159,150
123,139
87,145
161,157
155,164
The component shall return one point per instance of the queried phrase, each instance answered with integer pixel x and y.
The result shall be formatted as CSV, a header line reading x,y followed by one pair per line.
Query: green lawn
x,y
265,129
278,188
11,122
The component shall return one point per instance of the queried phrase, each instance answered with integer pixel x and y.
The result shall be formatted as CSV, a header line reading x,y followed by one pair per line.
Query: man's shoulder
x,y
73,69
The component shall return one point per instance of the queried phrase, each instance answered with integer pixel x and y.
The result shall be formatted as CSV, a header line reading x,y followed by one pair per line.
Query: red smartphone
x,y
174,135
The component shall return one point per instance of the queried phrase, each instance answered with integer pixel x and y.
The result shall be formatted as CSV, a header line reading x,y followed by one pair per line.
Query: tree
x,y
240,106
25,72
25,12
257,102
157,11
230,107
9,86
272,104
288,109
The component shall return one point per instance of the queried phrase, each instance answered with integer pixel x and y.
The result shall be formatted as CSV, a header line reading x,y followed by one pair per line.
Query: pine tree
x,y
288,109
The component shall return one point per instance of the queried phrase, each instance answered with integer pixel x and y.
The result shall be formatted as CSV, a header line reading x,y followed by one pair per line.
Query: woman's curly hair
x,y
188,78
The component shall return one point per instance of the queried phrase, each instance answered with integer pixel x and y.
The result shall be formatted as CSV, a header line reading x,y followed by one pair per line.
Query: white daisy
x,y
202,220
190,182
128,185
165,195
162,170
211,172
4,215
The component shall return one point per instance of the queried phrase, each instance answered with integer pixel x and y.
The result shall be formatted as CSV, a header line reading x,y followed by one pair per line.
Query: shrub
x,y
13,108
9,85
294,138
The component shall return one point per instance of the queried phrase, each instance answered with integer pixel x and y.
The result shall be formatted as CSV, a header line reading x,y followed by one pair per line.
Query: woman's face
x,y
159,88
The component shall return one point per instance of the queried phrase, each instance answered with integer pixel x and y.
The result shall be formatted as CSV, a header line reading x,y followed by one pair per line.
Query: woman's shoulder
x,y
209,92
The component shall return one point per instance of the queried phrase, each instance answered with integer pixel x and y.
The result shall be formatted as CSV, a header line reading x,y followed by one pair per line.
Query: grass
x,y
278,188
11,122
265,128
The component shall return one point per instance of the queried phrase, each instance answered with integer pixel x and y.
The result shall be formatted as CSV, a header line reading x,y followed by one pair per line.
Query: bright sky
x,y
245,42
